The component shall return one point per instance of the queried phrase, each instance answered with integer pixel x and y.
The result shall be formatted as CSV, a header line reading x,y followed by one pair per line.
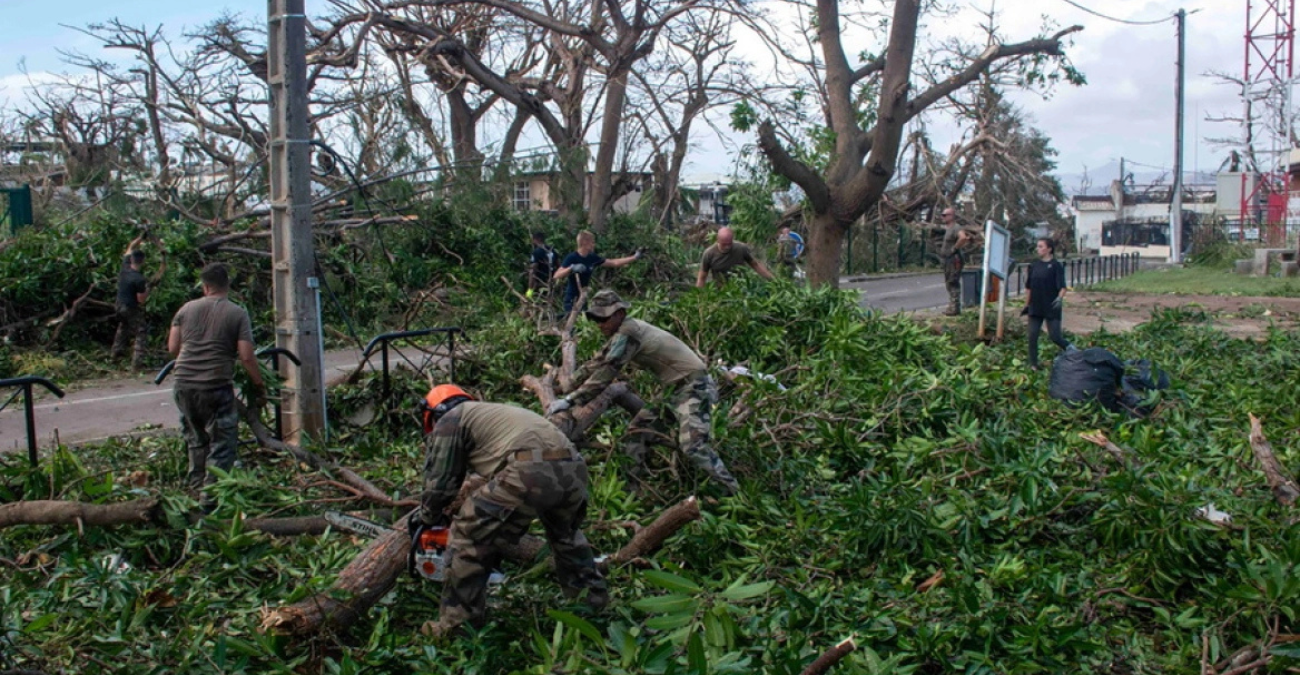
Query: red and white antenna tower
x,y
1270,57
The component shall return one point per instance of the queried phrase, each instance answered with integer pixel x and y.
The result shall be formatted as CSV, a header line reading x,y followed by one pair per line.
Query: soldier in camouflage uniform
x,y
691,392
534,472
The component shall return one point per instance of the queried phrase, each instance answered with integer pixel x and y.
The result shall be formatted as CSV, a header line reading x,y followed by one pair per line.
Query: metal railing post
x,y
29,407
383,350
382,342
451,353
30,414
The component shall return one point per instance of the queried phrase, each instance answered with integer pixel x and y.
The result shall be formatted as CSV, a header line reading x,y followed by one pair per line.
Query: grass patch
x,y
1201,281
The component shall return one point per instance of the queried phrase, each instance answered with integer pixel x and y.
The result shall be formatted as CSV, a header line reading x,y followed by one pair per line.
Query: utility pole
x,y
297,318
1176,201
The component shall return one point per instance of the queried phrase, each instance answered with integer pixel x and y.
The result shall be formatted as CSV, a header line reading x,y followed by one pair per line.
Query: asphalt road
x,y
901,293
99,410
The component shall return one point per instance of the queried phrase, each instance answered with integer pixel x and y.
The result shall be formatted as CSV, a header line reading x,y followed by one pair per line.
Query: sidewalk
x,y
118,407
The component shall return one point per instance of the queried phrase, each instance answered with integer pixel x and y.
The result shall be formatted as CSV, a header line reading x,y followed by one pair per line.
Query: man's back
x,y
661,352
130,283
211,329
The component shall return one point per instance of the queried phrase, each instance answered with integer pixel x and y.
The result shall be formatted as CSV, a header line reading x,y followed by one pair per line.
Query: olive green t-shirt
x,y
211,329
720,264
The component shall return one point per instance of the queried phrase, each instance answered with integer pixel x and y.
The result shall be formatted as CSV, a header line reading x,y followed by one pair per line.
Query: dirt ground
x,y
1241,317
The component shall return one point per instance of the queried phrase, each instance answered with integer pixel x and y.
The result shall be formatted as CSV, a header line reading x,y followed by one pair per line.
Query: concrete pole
x,y
1176,202
293,257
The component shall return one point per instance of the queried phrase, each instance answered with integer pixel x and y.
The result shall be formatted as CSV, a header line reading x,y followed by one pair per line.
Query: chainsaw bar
x,y
356,525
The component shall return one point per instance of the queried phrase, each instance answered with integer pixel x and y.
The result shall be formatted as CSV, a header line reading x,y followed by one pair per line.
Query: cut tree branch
x,y
1283,485
55,512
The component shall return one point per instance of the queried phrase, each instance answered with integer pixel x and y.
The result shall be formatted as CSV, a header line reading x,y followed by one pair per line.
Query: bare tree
x,y
693,74
864,147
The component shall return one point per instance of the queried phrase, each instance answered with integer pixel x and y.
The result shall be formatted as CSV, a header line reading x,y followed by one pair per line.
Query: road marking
x,y
48,406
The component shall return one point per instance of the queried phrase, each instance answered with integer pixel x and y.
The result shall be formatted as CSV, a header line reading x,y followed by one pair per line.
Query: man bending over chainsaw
x,y
692,392
533,472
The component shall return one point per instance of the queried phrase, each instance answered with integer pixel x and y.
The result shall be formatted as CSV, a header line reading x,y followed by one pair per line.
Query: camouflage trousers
x,y
499,513
691,402
210,425
131,327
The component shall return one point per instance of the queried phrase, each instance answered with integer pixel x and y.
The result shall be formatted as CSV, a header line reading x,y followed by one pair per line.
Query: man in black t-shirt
x,y
132,291
541,265
579,265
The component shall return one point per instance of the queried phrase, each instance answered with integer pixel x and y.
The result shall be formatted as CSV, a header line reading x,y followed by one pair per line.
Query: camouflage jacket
x,y
644,344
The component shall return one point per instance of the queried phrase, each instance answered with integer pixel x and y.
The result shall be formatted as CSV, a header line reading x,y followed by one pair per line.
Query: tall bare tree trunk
x,y
603,175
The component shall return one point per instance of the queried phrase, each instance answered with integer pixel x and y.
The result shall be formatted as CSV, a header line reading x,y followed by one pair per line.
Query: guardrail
x,y
1083,271
274,353
25,383
383,340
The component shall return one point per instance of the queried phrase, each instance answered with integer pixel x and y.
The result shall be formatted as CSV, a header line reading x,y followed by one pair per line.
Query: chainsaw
x,y
428,554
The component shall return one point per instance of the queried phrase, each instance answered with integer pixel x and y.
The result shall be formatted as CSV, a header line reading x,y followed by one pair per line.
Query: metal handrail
x,y
274,353
29,411
1085,271
383,339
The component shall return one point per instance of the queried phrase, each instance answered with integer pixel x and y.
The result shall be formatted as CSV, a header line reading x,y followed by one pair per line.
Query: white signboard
x,y
997,262
997,249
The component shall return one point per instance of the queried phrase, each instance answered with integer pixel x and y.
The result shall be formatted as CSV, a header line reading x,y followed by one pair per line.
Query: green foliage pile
x,y
896,455
471,250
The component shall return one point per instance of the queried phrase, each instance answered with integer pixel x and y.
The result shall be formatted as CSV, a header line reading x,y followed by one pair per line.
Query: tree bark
x,y
55,512
1283,485
648,539
830,657
359,586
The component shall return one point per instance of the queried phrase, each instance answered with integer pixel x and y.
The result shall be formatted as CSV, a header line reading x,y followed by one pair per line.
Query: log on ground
x,y
55,512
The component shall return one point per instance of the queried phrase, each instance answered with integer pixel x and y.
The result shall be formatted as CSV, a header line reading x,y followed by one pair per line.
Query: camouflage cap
x,y
604,303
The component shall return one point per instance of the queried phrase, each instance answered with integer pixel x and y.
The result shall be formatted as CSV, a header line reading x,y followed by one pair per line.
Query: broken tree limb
x,y
364,488
575,423
55,512
369,576
1096,437
648,539
1285,489
359,586
830,657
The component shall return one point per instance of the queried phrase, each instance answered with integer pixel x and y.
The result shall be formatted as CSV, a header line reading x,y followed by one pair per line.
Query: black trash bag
x,y
1091,374
1141,378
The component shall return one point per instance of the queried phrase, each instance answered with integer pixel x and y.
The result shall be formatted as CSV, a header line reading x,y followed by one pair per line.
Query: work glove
x,y
1056,304
639,253
578,268
1024,311
558,406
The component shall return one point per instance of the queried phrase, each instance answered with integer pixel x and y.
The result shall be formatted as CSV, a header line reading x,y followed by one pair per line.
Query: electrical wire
x,y
1111,18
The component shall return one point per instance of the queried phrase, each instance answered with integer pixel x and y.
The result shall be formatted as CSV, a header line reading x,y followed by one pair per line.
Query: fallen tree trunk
x,y
54,512
369,576
359,586
1285,489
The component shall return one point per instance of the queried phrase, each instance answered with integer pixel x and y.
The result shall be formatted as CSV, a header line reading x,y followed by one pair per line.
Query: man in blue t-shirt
x,y
579,265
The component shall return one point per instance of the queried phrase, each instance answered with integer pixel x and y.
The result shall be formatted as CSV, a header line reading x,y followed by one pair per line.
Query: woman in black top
x,y
1044,291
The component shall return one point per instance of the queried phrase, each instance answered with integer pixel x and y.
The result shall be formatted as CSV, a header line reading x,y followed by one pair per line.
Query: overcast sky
x,y
1126,110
